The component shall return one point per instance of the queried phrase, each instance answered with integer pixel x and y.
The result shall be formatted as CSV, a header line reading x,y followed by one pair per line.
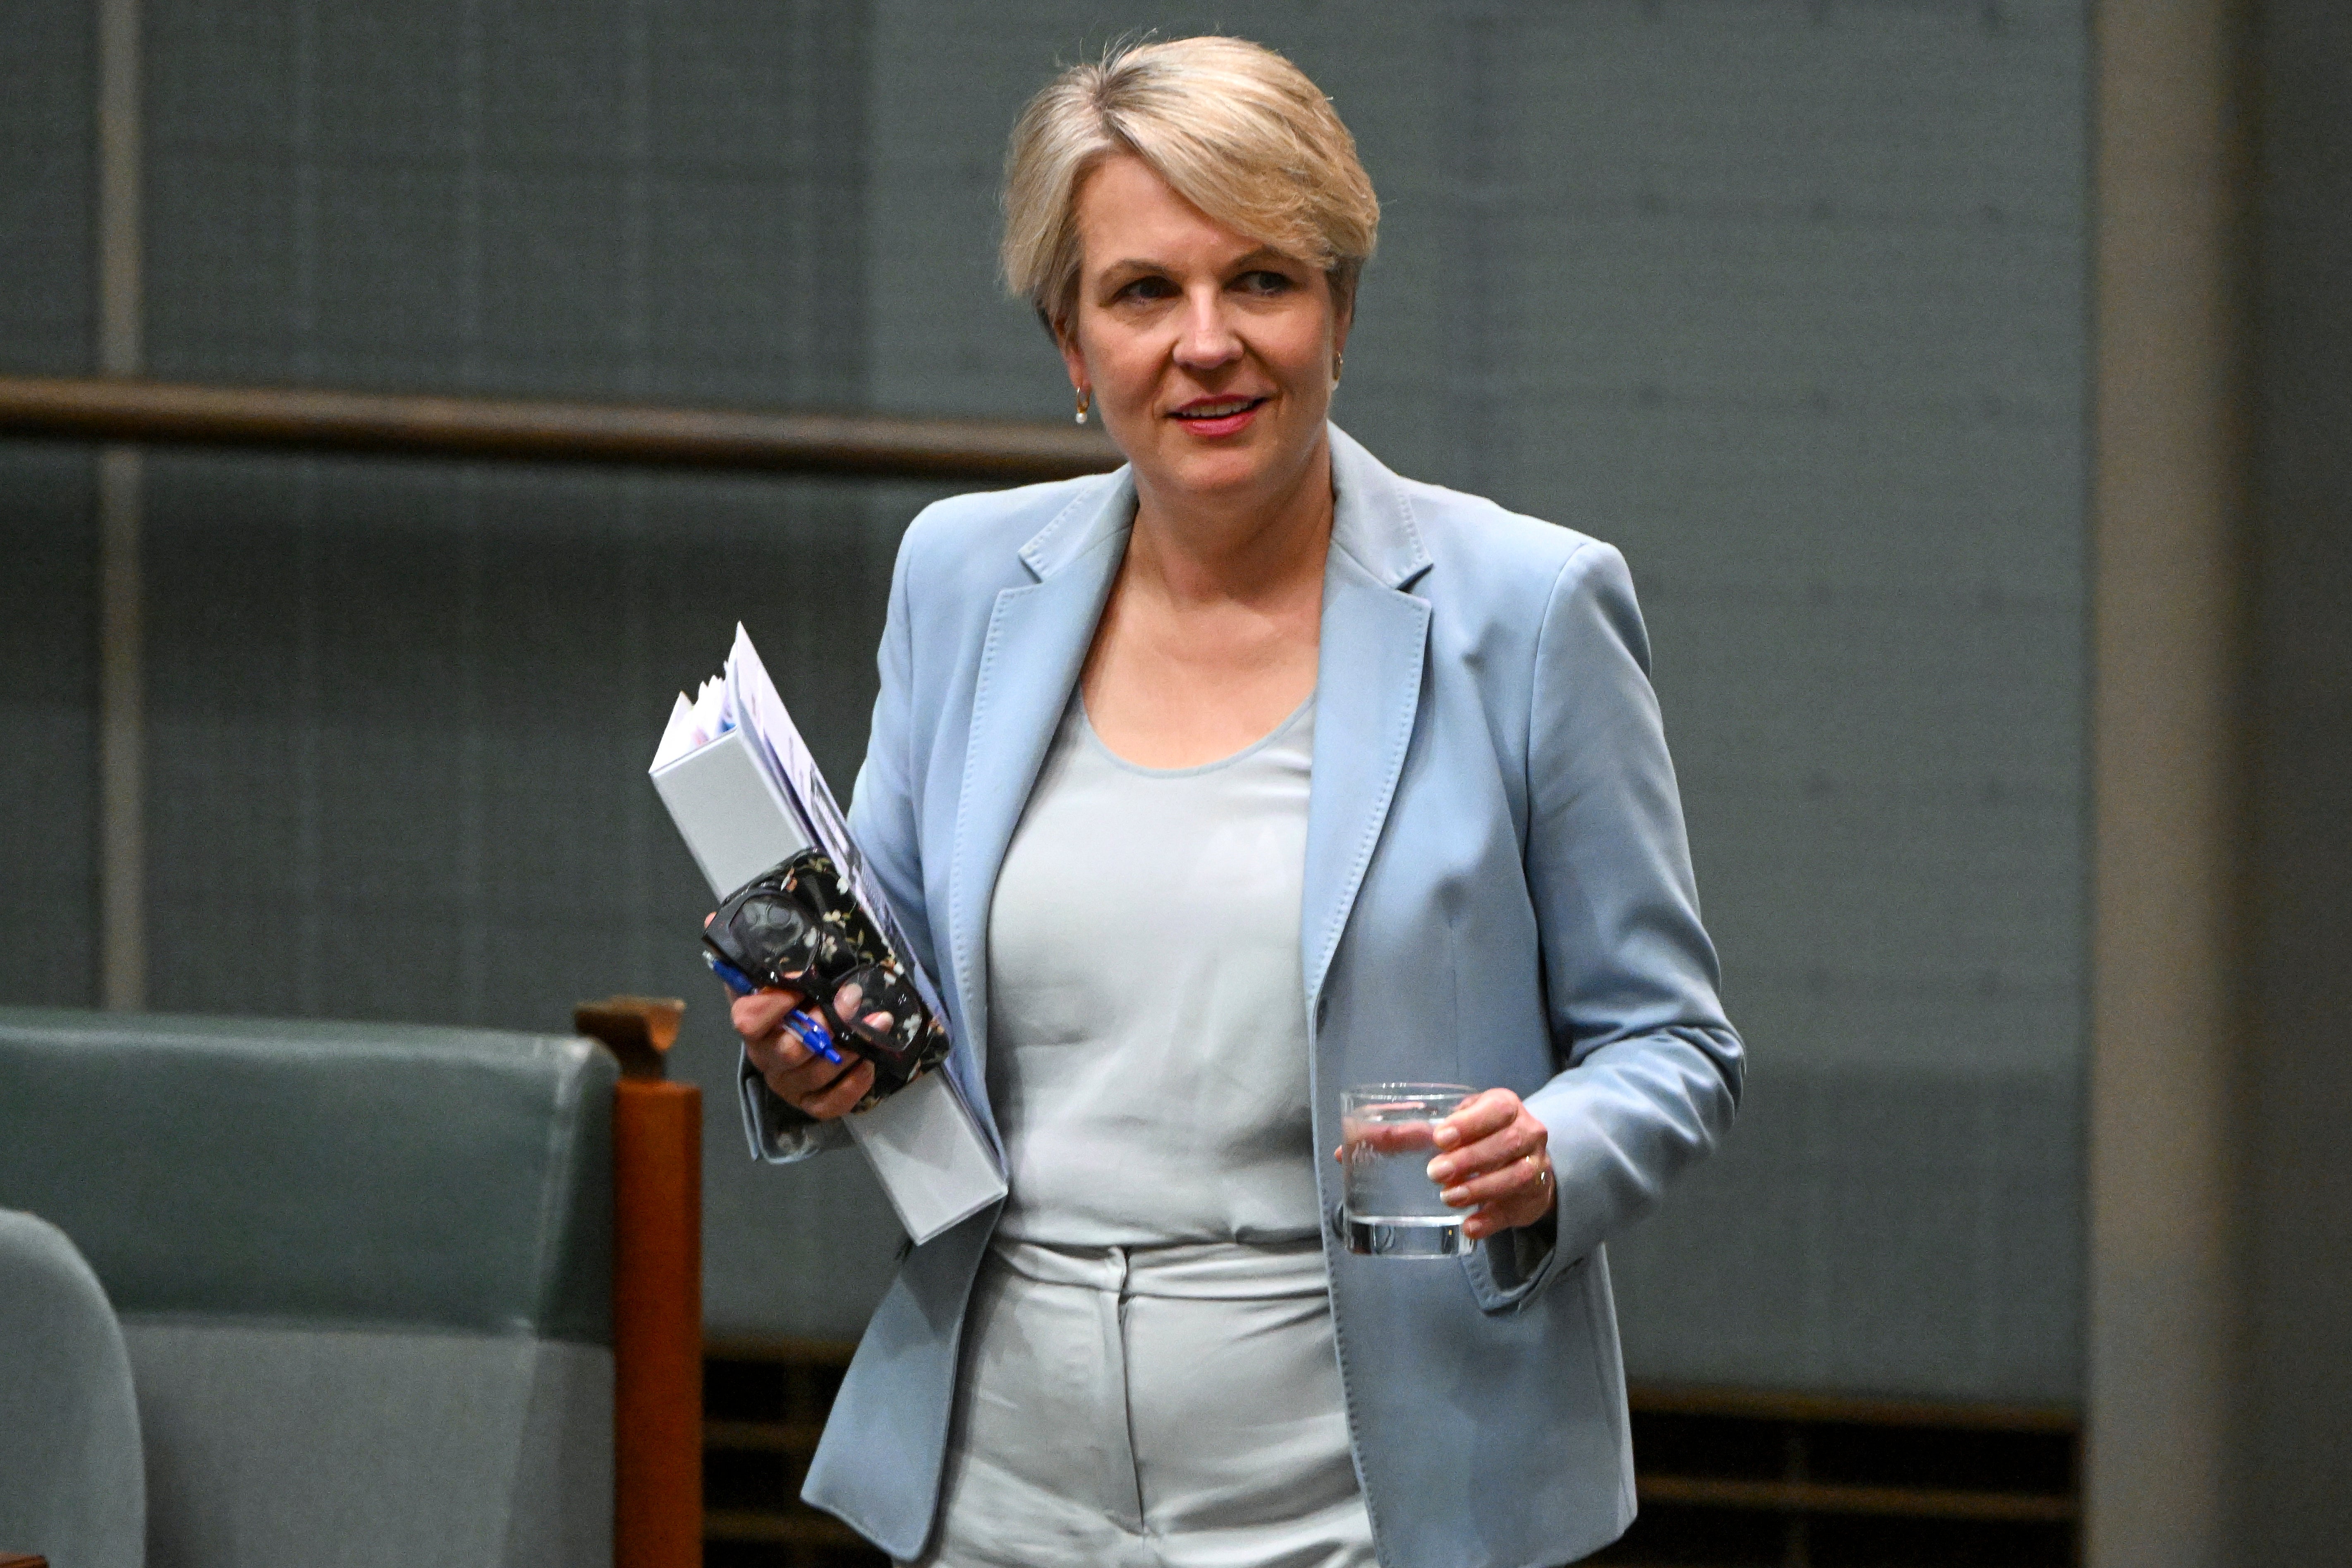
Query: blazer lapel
x,y
1368,692
1037,641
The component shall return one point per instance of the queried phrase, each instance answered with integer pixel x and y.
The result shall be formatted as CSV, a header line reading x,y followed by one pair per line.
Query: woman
x,y
1207,789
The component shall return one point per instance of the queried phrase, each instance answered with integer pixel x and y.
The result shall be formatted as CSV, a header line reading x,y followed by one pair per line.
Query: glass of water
x,y
1387,1138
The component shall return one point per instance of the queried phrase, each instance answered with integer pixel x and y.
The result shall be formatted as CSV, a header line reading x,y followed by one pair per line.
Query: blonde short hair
x,y
1233,127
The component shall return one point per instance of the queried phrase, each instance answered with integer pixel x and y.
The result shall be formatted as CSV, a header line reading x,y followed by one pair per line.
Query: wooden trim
x,y
780,1347
761,1436
1648,1398
807,1528
1655,1400
872,446
656,1325
1840,1497
638,1030
1793,1500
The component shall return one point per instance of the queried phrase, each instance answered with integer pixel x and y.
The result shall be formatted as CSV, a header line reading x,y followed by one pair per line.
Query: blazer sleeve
x,y
882,819
1651,1068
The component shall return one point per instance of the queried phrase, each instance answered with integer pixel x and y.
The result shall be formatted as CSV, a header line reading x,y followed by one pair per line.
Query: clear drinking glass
x,y
1388,1136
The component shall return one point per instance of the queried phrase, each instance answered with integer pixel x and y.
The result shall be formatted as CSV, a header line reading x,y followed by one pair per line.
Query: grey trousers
x,y
1139,1407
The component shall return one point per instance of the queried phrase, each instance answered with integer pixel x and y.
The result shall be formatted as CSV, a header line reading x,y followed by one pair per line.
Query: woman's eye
x,y
1262,281
1148,288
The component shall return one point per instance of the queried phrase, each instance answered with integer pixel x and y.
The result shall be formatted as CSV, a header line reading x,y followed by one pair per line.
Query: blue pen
x,y
813,1035
733,978
806,1029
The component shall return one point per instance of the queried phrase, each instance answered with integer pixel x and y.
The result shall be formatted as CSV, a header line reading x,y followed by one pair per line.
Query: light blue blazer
x,y
1498,892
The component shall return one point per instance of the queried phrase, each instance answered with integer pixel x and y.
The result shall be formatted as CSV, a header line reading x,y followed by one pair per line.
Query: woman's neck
x,y
1212,630
1196,550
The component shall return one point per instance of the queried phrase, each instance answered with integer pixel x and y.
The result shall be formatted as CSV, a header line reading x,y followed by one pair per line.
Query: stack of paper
x,y
745,796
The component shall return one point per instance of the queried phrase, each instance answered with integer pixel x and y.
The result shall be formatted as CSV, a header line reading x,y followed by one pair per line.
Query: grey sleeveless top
x,y
1147,1053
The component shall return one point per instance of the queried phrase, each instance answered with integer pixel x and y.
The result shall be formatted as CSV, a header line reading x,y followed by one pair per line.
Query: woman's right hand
x,y
799,1076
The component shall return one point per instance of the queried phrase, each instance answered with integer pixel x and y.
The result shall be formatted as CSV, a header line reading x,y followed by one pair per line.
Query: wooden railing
x,y
874,446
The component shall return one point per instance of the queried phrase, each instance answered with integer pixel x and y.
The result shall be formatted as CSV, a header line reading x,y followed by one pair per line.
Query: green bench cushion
x,y
270,1447
298,1171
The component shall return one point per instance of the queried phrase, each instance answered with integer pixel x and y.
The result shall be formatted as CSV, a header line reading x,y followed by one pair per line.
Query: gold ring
x,y
1542,1175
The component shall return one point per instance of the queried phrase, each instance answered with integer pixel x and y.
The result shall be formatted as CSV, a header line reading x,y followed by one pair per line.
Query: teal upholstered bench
x,y
363,1274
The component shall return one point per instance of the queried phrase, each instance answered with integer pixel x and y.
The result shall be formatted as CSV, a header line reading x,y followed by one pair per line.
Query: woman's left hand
x,y
1491,1159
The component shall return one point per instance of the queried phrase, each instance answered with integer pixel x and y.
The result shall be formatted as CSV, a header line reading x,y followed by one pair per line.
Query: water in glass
x,y
1387,1140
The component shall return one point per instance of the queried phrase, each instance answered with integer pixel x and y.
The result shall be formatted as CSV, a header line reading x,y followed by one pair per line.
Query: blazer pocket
x,y
1498,1283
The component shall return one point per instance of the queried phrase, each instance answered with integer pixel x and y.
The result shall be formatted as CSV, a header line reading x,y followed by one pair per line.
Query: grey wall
x,y
48,537
2299,1183
586,199
400,711
1783,297
48,134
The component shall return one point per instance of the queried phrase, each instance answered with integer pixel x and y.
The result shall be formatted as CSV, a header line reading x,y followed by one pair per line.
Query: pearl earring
x,y
1085,400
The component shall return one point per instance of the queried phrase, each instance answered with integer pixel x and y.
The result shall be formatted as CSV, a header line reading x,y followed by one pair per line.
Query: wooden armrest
x,y
656,1288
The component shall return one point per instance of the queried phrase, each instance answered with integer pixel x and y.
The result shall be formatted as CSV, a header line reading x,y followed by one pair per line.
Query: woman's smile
x,y
1211,418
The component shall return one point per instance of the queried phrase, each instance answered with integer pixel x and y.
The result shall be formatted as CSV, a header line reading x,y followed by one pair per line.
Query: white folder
x,y
934,1162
